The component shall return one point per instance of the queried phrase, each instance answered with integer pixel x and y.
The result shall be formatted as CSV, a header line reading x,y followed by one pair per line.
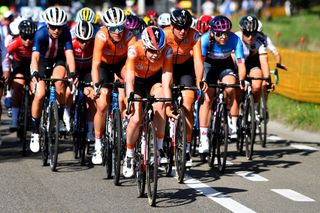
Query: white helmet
x,y
84,30
164,19
86,14
114,17
55,16
260,28
14,26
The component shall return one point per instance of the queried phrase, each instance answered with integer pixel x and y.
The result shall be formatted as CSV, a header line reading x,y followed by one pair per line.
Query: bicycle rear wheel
x,y
53,136
262,125
23,135
44,137
152,164
222,138
117,133
241,129
250,126
212,148
180,149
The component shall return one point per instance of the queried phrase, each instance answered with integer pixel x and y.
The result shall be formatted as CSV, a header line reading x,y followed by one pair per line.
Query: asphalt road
x,y
284,177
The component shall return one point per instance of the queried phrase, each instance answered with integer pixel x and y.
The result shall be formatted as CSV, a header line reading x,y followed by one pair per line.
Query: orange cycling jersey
x,y
143,68
182,50
109,52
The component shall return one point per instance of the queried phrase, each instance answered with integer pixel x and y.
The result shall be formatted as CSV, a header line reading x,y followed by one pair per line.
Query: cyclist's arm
x,y
97,55
264,65
70,60
34,61
274,50
130,71
167,70
198,61
239,59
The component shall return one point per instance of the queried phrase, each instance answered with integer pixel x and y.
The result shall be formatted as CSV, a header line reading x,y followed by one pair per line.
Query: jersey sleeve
x,y
238,52
204,43
12,46
39,37
3,51
99,42
68,41
168,61
132,55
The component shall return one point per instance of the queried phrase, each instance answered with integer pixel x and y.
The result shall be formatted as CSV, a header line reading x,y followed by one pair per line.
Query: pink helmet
x,y
220,24
132,22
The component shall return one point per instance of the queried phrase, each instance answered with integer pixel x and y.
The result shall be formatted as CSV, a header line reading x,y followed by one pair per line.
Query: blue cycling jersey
x,y
217,51
50,48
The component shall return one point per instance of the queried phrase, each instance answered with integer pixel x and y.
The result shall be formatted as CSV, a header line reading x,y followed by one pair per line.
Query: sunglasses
x,y
55,27
116,29
247,34
180,28
83,41
157,52
219,34
27,37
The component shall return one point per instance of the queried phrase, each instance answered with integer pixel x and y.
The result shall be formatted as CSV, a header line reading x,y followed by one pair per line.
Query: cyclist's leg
x,y
256,84
17,86
91,108
122,96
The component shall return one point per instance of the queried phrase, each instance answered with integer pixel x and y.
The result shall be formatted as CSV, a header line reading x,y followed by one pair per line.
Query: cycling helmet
x,y
249,23
203,23
86,14
84,30
220,24
153,38
55,16
127,12
114,17
181,18
152,14
148,21
260,28
132,22
164,19
27,29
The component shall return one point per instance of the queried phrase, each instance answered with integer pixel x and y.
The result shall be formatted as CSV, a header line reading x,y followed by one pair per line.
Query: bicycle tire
x,y
168,149
222,138
251,127
108,147
262,126
241,129
152,163
140,174
117,133
53,136
44,137
212,148
180,149
23,136
83,130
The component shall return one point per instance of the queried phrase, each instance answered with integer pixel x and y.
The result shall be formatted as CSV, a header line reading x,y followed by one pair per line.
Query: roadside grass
x,y
294,113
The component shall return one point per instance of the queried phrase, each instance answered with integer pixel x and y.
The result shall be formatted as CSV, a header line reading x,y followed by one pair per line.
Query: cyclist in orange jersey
x,y
109,56
148,71
187,66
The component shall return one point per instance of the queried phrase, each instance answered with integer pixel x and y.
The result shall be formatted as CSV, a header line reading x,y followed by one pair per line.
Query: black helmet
x,y
27,29
249,24
181,18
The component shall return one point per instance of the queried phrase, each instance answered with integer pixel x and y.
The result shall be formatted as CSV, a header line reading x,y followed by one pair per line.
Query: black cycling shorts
x,y
183,74
107,71
253,61
22,67
46,66
217,69
142,86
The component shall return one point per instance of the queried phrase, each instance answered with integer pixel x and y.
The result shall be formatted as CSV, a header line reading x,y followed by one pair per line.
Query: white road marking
x,y
274,138
215,195
303,147
251,176
293,195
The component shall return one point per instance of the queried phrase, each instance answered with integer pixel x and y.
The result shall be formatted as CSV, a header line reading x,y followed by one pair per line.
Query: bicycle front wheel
x,y
250,126
262,125
180,149
117,133
44,137
152,164
23,136
53,136
222,138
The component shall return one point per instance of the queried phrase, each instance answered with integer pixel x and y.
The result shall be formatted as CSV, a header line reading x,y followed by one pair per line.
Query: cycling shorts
x,y
84,74
183,74
46,66
142,86
22,67
217,69
107,71
252,62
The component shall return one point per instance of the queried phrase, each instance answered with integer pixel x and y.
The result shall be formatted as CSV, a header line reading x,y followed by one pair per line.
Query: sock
x,y
203,133
160,143
188,147
35,124
66,113
130,153
234,122
15,113
97,144
90,126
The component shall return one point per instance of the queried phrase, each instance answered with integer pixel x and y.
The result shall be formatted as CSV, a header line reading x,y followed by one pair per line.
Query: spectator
x,y
208,8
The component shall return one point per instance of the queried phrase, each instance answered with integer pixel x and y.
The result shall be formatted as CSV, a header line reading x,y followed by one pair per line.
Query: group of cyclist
x,y
149,55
